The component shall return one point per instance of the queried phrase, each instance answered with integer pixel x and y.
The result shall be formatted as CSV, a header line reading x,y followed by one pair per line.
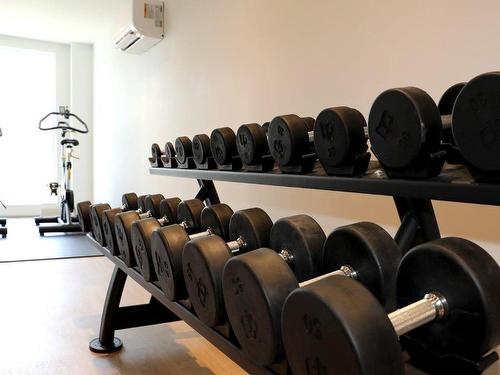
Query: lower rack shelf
x,y
214,336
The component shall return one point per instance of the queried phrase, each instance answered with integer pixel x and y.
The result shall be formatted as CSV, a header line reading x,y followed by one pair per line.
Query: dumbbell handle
x,y
205,233
163,221
446,121
236,245
346,271
433,306
310,134
143,215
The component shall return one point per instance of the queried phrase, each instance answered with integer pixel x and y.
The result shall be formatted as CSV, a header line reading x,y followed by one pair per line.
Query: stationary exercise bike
x,y
66,221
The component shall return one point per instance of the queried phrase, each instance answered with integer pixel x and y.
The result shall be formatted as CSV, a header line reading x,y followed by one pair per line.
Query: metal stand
x,y
50,219
115,317
74,227
3,222
60,228
413,201
418,222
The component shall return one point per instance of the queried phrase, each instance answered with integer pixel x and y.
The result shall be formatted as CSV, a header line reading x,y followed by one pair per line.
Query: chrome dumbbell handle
x,y
163,221
346,271
310,135
432,307
144,215
205,233
237,245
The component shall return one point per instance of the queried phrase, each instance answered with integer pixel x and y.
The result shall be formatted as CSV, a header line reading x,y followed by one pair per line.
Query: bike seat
x,y
72,142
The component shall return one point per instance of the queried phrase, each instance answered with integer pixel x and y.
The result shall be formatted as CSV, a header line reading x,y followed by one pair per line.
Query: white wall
x,y
225,63
82,87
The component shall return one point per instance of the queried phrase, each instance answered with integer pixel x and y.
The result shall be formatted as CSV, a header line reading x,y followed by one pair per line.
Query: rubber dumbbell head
x,y
251,142
404,127
83,212
96,211
203,261
156,151
340,133
289,137
183,149
223,145
201,148
476,125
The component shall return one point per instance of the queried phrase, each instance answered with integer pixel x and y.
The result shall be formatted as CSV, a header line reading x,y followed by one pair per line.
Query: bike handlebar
x,y
63,125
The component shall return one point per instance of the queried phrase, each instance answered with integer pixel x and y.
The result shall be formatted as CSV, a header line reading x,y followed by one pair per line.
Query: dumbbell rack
x,y
413,200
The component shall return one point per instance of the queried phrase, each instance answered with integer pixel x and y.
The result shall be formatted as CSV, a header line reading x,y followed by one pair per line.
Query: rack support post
x,y
418,222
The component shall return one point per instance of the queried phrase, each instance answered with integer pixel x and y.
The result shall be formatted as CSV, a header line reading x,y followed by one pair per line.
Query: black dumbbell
x,y
202,153
224,150
445,108
257,284
188,213
184,152
253,147
163,158
405,127
203,261
291,142
142,230
449,290
89,215
476,125
167,245
166,157
83,212
340,139
148,205
156,154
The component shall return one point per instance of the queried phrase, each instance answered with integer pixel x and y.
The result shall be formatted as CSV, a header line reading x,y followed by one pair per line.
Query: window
x,y
28,156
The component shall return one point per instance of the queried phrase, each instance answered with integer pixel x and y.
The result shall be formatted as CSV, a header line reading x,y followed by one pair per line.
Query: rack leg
x,y
107,342
208,192
418,222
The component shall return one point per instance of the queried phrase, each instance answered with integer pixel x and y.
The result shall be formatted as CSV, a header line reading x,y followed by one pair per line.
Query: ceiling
x,y
62,21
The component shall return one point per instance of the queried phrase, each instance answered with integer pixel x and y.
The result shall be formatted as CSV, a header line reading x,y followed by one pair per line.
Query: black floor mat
x,y
23,243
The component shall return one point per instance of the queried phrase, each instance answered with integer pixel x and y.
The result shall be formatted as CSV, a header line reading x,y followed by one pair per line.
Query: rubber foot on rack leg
x,y
96,346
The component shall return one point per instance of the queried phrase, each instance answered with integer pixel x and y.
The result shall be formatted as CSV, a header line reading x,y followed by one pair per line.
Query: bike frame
x,y
66,185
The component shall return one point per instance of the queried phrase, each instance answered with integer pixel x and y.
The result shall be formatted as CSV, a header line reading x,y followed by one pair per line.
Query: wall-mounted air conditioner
x,y
147,28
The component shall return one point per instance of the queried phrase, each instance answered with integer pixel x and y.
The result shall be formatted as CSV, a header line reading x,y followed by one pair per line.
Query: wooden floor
x,y
51,309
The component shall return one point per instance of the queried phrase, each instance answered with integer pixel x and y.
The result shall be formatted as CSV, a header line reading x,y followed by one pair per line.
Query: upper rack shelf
x,y
454,184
